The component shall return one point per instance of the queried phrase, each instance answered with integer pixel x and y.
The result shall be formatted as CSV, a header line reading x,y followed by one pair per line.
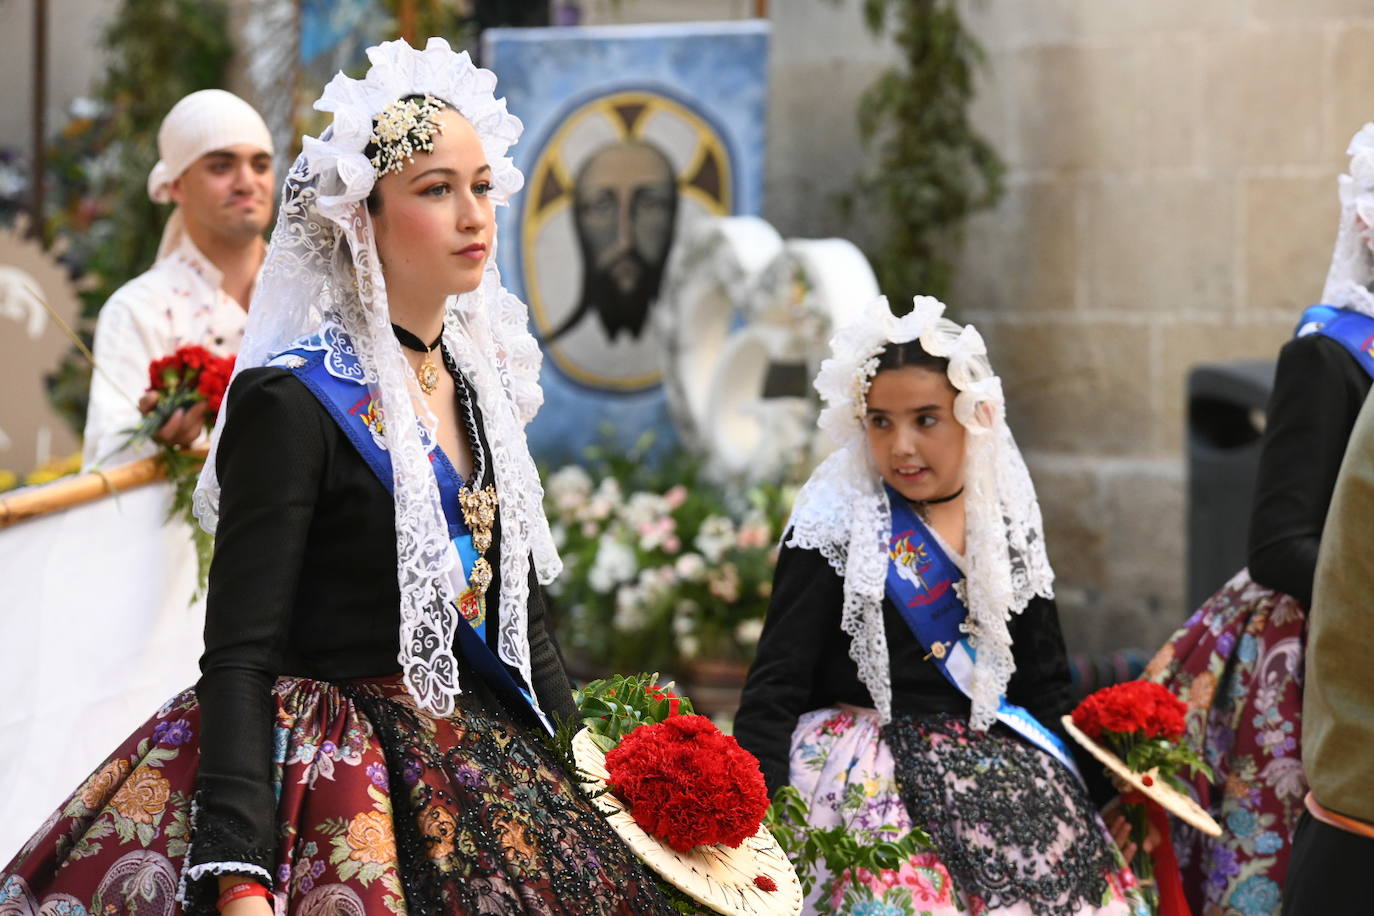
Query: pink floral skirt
x,y
843,766
1238,664
382,808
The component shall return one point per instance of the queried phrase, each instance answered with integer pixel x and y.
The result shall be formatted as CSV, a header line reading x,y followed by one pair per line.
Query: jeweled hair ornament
x,y
403,128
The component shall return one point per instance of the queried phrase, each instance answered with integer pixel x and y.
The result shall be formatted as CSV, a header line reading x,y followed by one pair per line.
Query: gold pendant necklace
x,y
479,511
428,373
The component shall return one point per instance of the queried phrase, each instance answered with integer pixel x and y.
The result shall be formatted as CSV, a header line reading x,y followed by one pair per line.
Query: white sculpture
x,y
746,318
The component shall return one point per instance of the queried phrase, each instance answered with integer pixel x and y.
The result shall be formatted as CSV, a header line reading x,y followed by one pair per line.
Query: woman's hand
x,y
248,906
244,906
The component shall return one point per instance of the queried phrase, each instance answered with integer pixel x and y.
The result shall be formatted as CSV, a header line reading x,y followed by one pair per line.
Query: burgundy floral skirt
x,y
382,808
1237,663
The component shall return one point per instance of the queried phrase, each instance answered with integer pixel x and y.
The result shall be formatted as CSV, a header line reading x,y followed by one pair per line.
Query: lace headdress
x,y
322,269
842,510
1352,264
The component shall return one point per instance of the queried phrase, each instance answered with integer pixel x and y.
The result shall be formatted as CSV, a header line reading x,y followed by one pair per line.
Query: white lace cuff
x,y
193,873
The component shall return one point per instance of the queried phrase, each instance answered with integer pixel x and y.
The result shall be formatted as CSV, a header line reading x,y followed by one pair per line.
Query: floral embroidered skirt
x,y
988,801
1238,663
382,808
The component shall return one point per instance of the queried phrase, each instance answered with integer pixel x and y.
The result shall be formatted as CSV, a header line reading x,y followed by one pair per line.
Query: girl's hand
x,y
1119,826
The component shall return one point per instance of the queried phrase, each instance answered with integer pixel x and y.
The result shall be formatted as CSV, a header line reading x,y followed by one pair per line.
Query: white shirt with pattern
x,y
176,302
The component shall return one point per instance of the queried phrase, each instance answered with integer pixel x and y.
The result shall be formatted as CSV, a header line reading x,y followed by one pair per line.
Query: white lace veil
x,y
322,267
842,510
1352,264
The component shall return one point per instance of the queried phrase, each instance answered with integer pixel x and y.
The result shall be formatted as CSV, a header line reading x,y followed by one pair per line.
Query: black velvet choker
x,y
411,342
943,499
428,373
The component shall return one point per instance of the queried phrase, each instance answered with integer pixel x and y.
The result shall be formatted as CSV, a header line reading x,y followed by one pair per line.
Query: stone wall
x,y
1171,201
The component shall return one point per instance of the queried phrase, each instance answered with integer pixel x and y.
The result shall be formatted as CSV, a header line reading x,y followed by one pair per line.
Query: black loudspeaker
x,y
524,13
1226,404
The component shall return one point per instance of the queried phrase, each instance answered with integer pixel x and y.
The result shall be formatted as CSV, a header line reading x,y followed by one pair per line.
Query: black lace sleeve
x,y
1043,685
800,628
1318,392
551,683
1042,682
270,461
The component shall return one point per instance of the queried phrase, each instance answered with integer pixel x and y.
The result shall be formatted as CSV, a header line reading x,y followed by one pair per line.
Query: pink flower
x,y
675,497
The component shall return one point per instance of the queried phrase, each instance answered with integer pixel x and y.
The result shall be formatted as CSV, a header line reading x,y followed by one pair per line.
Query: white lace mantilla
x,y
1352,263
322,265
842,510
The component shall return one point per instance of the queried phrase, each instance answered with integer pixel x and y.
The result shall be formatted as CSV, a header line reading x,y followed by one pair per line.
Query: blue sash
x,y
921,581
327,366
1350,329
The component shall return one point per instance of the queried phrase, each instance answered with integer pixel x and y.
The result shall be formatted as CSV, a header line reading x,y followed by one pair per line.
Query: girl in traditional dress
x,y
1238,660
912,658
378,673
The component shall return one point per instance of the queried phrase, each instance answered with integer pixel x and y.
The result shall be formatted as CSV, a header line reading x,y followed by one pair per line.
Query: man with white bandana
x,y
215,166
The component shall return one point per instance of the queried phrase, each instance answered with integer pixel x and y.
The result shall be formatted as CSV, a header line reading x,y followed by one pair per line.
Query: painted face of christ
x,y
625,207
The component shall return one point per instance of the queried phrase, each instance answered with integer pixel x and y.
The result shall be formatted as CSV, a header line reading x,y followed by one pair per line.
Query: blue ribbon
x,y
921,581
1352,330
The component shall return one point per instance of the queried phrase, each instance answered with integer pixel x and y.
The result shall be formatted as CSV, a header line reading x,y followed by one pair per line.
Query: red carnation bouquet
x,y
688,784
1142,723
192,375
685,784
187,377
684,781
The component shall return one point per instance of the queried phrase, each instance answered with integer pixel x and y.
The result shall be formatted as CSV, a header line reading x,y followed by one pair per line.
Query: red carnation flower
x,y
1136,706
688,784
213,381
188,376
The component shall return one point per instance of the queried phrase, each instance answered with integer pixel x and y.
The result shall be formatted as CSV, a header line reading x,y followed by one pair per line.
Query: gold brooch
x,y
479,512
937,649
428,374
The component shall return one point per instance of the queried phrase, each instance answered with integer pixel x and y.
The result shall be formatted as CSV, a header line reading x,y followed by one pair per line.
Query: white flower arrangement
x,y
661,572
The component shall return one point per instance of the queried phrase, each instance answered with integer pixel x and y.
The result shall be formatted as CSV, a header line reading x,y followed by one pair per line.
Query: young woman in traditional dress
x,y
912,657
1238,660
378,673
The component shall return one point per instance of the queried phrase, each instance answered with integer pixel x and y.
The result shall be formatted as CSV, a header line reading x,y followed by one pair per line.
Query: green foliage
x,y
615,706
1167,758
933,170
610,708
835,850
183,471
158,51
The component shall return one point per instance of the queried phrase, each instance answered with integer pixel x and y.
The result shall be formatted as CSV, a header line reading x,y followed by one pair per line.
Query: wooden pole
x,y
80,489
38,227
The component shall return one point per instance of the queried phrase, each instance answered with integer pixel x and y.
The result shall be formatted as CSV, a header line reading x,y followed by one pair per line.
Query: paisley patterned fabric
x,y
1237,662
382,808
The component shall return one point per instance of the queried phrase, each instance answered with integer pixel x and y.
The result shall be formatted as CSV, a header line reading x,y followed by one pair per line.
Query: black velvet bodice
x,y
304,583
